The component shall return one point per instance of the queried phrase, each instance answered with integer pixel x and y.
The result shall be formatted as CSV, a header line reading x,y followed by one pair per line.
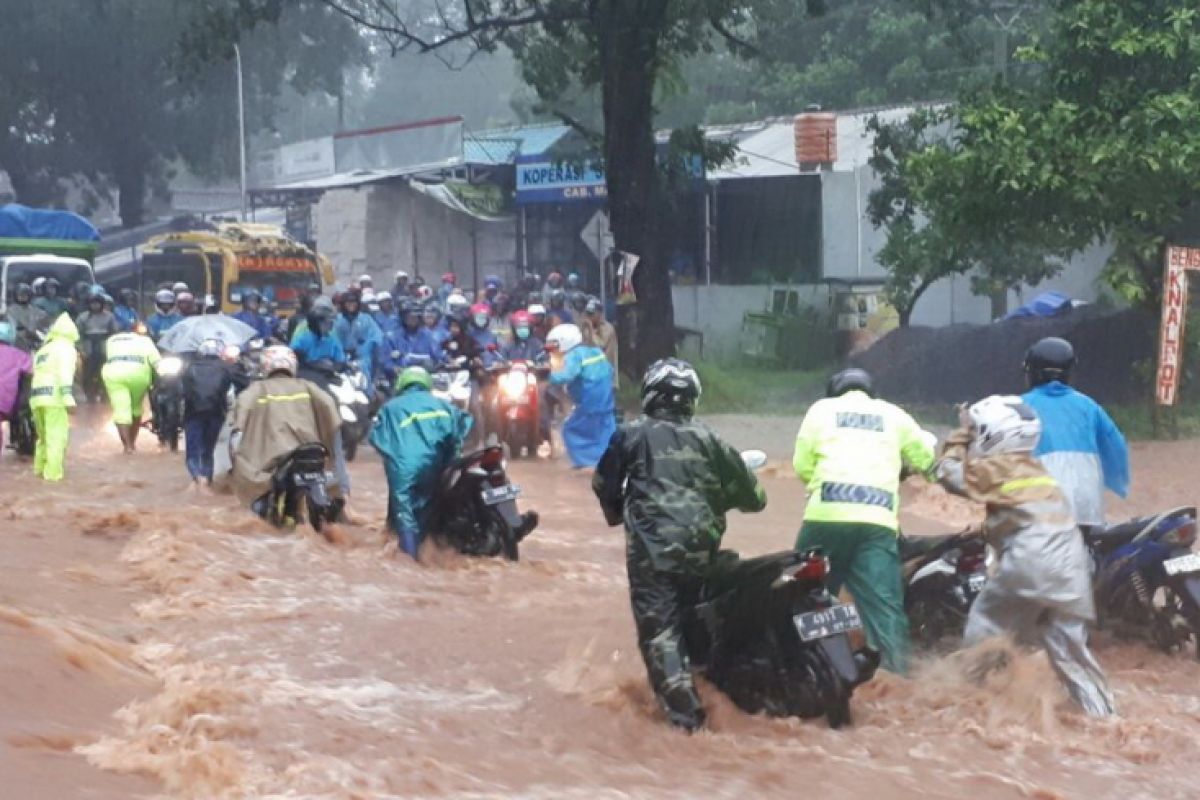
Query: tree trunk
x,y
629,52
131,181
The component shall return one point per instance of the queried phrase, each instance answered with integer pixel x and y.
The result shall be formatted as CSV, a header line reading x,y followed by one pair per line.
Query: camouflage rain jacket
x,y
672,480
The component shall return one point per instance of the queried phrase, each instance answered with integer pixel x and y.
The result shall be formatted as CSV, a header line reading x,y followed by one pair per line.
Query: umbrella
x,y
186,336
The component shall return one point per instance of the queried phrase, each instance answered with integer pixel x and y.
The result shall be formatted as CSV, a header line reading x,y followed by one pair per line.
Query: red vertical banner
x,y
1179,260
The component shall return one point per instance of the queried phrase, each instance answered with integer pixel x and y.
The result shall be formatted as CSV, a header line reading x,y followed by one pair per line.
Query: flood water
x,y
156,642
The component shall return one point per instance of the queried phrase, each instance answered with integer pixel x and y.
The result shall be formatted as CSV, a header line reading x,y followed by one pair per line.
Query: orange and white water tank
x,y
816,139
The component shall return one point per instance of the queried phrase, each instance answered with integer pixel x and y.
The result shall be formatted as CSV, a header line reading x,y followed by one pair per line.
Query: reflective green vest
x,y
849,452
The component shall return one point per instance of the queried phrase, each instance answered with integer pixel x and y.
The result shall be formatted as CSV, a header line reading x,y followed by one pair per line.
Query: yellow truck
x,y
227,261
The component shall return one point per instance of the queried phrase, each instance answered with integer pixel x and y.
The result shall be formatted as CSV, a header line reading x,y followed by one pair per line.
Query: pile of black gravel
x,y
960,363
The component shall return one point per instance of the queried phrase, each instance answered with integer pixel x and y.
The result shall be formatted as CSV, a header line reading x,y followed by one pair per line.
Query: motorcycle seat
x,y
309,458
1110,536
913,547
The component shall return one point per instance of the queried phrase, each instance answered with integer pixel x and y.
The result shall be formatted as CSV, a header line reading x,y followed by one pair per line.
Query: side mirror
x,y
754,459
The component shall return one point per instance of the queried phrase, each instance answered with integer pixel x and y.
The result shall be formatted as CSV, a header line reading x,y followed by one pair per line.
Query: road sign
x,y
597,236
1179,261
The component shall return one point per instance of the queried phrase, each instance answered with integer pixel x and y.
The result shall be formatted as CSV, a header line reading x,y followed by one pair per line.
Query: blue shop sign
x,y
543,181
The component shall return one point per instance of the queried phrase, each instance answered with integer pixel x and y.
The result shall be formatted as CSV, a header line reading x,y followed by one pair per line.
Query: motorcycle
x,y
767,632
92,346
452,383
942,577
354,398
515,407
475,511
299,481
22,432
1147,579
166,401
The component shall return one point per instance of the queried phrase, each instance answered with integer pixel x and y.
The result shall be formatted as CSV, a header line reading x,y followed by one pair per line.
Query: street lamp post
x,y
237,53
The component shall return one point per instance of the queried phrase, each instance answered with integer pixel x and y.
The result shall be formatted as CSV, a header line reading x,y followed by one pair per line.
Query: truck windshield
x,y
18,270
162,270
282,288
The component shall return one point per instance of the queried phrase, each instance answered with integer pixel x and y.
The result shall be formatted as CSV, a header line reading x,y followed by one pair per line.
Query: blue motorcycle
x,y
1146,579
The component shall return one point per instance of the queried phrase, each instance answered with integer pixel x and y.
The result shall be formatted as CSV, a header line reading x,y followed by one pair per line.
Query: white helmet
x,y
383,297
564,338
456,302
401,275
1003,424
368,294
164,297
365,280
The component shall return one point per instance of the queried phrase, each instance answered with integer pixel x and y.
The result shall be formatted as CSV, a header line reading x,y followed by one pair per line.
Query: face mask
x,y
522,333
481,320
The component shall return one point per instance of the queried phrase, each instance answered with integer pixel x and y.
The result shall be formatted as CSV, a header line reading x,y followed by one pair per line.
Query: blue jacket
x,y
126,317
362,336
439,333
309,348
484,337
402,349
1081,448
418,436
531,349
158,323
588,377
257,321
388,323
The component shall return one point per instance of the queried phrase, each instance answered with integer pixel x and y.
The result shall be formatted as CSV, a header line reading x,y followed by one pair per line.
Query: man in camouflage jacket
x,y
671,481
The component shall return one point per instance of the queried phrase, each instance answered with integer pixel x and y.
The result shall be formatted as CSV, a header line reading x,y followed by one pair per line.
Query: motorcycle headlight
x,y
513,385
169,367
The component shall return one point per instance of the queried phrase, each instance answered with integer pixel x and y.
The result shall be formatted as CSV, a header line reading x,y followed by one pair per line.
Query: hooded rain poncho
x,y
418,436
588,377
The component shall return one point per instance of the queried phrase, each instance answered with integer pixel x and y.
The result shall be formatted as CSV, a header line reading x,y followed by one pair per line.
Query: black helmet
x,y
23,289
320,318
251,296
128,296
578,301
849,380
670,384
51,283
1050,359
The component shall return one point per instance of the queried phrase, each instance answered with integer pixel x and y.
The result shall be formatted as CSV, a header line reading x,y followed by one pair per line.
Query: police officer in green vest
x,y
850,452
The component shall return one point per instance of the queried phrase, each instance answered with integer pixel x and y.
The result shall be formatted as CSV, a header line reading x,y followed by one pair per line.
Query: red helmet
x,y
554,278
449,277
481,308
520,317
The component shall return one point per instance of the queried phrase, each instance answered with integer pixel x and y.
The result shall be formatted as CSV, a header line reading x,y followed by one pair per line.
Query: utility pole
x,y
237,53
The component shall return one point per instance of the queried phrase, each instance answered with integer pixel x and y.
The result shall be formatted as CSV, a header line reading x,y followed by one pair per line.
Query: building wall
x,y
340,230
381,229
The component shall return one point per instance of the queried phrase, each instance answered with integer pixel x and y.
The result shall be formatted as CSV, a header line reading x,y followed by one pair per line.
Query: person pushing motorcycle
x,y
1080,444
271,418
671,481
417,435
1042,589
849,453
128,372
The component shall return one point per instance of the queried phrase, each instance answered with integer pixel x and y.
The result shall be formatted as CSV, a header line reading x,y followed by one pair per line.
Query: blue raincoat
x,y
361,335
309,348
126,316
1081,448
588,377
159,323
530,349
483,338
403,348
388,323
418,436
439,333
261,324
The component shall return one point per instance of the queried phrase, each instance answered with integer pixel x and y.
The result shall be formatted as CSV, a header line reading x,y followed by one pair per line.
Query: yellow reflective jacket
x,y
132,354
849,453
54,367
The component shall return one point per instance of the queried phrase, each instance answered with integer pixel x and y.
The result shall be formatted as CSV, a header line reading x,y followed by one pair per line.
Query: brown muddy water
x,y
155,642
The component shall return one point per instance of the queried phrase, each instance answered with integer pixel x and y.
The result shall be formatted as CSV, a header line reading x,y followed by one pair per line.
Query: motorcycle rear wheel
x,y
316,514
1176,624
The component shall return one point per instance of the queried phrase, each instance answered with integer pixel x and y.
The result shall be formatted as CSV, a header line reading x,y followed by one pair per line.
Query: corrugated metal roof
x,y
503,145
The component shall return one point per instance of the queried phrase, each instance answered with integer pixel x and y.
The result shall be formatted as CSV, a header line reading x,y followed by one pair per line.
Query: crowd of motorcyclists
x,y
1039,463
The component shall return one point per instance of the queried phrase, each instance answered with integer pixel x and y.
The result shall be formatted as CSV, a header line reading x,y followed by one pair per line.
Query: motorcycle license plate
x,y
1183,564
309,478
976,583
499,494
831,621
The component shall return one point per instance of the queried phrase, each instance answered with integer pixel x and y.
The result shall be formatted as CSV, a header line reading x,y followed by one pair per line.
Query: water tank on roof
x,y
816,139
